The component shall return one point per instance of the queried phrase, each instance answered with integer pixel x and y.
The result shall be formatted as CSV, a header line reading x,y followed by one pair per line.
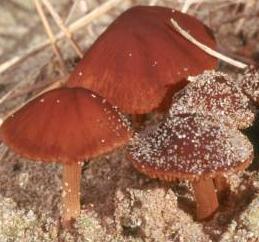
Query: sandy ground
x,y
118,203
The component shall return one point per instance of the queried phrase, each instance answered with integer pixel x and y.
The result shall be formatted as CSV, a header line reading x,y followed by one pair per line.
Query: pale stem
x,y
206,198
71,193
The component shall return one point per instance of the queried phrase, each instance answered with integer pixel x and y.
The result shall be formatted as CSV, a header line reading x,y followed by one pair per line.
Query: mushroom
x,y
68,126
216,94
140,59
195,148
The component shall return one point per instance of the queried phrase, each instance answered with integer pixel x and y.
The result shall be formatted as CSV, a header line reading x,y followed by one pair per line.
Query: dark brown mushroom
x,y
66,125
215,94
141,58
192,147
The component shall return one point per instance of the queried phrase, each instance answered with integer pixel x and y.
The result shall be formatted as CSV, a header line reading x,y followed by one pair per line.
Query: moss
x,y
20,225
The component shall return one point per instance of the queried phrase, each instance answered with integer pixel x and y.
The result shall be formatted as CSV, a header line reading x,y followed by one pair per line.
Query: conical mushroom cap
x,y
65,125
189,146
140,57
215,94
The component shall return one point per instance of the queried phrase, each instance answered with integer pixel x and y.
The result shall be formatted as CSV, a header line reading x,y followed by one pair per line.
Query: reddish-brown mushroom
x,y
194,148
66,125
141,58
215,94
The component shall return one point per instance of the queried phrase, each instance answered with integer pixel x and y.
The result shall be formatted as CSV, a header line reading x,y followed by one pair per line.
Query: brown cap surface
x,y
249,83
65,125
189,146
215,94
140,57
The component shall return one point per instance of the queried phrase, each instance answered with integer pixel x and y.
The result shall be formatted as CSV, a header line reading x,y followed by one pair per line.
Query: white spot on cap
x,y
42,100
155,63
80,73
57,101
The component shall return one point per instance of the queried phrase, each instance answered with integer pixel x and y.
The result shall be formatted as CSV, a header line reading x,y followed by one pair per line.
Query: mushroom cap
x,y
215,94
249,83
190,146
140,57
65,125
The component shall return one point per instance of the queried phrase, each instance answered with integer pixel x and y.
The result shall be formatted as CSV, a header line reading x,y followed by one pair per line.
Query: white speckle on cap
x,y
190,144
215,94
155,63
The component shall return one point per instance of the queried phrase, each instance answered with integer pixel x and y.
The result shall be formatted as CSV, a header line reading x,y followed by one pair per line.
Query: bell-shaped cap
x,y
141,57
189,146
65,125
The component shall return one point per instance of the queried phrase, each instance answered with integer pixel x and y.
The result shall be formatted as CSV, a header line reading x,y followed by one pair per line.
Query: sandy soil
x,y
118,203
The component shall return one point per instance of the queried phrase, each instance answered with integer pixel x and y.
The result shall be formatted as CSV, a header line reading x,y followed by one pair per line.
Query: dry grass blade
x,y
99,11
73,9
9,93
187,4
62,26
206,48
50,35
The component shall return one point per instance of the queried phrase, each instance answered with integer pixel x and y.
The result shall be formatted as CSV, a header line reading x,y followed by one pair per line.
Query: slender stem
x,y
206,198
71,195
207,49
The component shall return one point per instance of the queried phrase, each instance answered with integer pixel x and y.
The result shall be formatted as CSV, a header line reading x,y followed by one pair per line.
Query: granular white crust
x,y
249,83
215,94
188,146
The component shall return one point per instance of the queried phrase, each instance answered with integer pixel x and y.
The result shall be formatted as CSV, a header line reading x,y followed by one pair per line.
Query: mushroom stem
x,y
71,196
206,198
222,187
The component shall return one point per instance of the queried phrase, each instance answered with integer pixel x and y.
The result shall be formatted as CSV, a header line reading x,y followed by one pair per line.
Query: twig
x,y
187,4
50,35
31,88
72,28
62,26
242,20
73,8
5,151
153,2
206,48
9,93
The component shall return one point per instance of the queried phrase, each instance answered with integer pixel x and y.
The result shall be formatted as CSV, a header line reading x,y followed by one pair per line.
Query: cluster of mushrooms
x,y
138,65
